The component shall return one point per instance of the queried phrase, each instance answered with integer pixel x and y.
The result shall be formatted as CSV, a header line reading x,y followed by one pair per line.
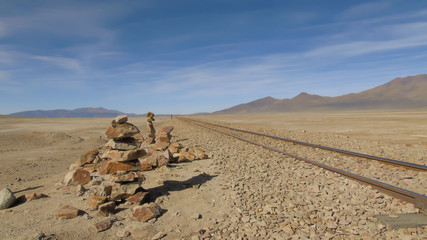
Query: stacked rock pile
x,y
115,177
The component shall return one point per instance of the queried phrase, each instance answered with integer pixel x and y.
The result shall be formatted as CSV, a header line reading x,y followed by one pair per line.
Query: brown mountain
x,y
400,93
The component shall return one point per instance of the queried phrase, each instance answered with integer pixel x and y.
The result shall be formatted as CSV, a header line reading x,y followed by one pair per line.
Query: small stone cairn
x,y
115,176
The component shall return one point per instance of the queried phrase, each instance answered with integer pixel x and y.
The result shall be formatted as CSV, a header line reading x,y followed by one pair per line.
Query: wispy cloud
x,y
65,63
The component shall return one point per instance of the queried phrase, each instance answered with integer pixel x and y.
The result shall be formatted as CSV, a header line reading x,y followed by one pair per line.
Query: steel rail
x,y
419,200
382,159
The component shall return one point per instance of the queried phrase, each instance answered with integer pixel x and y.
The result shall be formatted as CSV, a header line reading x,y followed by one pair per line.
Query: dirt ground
x,y
35,154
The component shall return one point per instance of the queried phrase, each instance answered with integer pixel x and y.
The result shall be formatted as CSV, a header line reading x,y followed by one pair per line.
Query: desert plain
x,y
240,192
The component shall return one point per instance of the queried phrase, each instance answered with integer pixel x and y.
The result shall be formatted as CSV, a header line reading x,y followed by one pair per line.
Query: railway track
x,y
419,200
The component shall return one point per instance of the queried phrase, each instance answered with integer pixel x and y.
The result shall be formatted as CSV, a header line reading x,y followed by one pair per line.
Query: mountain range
x,y
76,113
400,93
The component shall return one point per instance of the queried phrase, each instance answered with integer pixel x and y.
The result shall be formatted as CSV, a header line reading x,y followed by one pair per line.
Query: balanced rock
x,y
7,199
123,156
110,167
122,144
77,176
146,212
121,119
123,130
163,135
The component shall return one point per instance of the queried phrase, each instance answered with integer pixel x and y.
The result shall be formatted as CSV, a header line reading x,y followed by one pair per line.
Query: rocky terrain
x,y
240,192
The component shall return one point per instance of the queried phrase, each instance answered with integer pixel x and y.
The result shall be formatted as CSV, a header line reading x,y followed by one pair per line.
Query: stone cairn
x,y
115,176
150,128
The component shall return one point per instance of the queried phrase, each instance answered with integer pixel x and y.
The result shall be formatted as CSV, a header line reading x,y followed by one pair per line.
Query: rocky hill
x,y
400,93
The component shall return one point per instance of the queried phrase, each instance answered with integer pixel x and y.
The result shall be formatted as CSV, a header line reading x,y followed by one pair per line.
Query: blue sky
x,y
197,56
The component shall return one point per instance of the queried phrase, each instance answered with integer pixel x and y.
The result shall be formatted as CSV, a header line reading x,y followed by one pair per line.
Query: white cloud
x,y
65,63
365,9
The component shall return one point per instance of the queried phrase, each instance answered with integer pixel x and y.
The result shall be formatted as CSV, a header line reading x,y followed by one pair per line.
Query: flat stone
x,y
410,220
102,225
7,199
127,177
122,144
88,157
138,198
110,167
77,176
146,212
158,236
123,191
106,209
95,201
123,156
121,130
68,212
121,119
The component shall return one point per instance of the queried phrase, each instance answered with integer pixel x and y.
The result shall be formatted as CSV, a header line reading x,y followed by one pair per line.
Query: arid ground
x,y
240,192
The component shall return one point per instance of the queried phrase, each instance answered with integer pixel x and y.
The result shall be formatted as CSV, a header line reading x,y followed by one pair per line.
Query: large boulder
x,y
7,199
123,130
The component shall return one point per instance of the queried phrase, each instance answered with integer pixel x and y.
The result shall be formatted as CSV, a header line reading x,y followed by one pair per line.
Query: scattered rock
x,y
102,225
95,201
106,209
121,233
196,216
7,199
158,236
138,198
67,212
34,196
146,212
123,191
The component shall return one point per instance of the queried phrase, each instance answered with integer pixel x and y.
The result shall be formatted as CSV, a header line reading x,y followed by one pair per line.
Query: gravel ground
x,y
278,197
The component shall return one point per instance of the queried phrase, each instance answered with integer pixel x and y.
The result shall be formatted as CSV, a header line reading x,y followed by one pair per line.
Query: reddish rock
x,y
67,212
175,147
77,176
34,196
163,135
168,155
146,212
122,144
149,141
162,161
123,130
127,177
146,164
95,201
123,156
159,146
106,209
110,167
138,198
88,157
102,225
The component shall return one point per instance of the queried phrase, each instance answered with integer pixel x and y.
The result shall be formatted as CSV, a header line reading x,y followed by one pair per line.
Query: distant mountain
x,y
400,93
76,113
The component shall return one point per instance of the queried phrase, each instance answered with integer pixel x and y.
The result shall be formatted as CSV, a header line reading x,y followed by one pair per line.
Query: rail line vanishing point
x,y
419,200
